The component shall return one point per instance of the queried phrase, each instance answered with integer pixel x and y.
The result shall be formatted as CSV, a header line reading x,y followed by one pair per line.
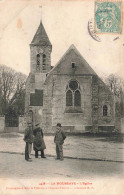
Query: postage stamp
x,y
108,17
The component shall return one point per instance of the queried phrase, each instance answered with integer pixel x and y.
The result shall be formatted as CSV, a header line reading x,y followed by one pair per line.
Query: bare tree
x,y
12,84
20,81
115,84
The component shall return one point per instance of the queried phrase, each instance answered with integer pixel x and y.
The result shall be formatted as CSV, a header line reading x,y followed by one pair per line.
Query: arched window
x,y
105,110
44,62
73,97
69,98
77,98
38,59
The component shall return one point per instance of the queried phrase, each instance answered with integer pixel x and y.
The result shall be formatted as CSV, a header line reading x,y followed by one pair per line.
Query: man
x,y
59,140
39,144
28,138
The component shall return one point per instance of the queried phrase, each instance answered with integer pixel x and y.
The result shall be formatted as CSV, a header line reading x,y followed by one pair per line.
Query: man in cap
x,y
39,144
28,138
59,140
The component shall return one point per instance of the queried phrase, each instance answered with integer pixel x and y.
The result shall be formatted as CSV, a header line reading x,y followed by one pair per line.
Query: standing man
x,y
39,144
59,140
28,138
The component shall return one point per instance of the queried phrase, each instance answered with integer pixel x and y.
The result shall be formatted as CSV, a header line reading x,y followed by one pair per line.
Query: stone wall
x,y
106,98
95,103
34,81
54,109
47,105
59,113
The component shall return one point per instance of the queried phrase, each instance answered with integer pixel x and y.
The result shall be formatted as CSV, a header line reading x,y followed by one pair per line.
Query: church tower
x,y
40,52
40,65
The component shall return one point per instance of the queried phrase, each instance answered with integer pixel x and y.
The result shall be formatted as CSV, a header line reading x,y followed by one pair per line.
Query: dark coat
x,y
59,137
39,143
36,130
28,136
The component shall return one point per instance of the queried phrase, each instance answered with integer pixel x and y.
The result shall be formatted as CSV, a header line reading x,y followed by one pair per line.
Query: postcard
x,y
61,97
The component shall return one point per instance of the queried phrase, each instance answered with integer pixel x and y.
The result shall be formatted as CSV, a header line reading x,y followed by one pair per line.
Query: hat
x,y
58,124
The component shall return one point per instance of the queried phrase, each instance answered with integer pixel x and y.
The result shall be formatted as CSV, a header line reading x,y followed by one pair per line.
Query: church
x,y
70,93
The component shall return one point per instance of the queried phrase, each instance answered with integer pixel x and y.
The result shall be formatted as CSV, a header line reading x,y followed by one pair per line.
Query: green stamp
x,y
107,17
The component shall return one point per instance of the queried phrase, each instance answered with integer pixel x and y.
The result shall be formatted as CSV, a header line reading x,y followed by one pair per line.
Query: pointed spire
x,y
40,37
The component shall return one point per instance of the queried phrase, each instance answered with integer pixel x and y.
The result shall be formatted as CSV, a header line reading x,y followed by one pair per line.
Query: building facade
x,y
70,93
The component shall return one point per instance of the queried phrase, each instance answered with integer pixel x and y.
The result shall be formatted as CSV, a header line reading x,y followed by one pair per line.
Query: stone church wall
x,y
47,106
54,110
106,98
93,96
106,123
34,81
55,103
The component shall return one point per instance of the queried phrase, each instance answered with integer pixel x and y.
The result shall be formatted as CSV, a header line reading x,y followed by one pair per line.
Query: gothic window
x,y
73,97
105,110
69,98
44,62
77,98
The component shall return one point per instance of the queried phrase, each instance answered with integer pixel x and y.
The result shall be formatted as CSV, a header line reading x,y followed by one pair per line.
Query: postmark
x,y
108,17
92,32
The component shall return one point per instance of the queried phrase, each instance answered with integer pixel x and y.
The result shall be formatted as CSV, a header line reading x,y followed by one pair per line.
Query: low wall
x,y
73,129
2,123
11,129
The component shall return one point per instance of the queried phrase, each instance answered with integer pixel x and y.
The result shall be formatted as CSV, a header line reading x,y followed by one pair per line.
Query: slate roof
x,y
41,37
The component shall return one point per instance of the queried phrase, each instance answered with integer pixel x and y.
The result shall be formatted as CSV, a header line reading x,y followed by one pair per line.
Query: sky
x,y
66,23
